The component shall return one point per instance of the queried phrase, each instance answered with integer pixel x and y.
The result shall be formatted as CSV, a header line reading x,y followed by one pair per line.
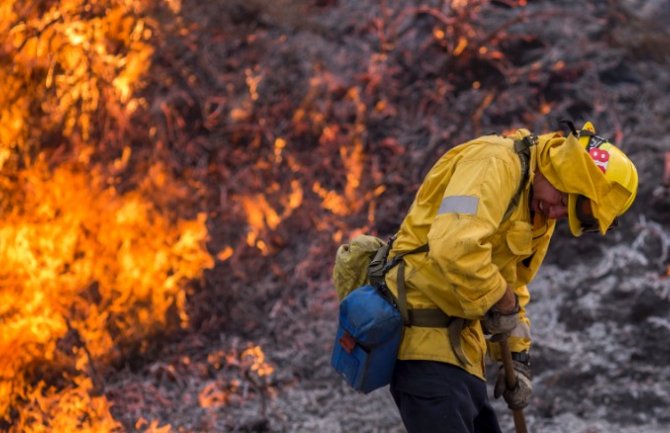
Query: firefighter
x,y
487,210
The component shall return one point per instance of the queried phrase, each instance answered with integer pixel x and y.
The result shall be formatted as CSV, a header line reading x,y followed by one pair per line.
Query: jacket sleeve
x,y
520,339
461,235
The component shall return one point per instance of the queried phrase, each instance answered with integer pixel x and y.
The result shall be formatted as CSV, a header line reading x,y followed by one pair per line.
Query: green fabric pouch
x,y
352,261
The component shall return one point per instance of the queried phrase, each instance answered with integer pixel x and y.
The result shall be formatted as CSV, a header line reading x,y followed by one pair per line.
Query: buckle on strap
x,y
522,357
525,143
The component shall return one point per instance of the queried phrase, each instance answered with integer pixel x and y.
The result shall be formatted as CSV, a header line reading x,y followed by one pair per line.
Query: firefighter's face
x,y
547,200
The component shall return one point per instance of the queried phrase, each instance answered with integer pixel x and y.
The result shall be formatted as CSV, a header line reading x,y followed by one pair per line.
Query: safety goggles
x,y
585,215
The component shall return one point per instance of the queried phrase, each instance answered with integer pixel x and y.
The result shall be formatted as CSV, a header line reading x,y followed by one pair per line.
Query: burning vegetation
x,y
176,175
87,270
101,243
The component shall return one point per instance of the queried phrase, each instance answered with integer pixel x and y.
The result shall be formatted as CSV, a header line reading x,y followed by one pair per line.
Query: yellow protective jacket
x,y
474,253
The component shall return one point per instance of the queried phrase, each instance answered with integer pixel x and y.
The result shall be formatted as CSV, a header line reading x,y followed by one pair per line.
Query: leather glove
x,y
500,324
519,396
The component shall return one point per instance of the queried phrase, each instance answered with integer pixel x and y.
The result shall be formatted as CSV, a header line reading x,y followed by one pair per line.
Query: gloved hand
x,y
499,325
519,396
500,322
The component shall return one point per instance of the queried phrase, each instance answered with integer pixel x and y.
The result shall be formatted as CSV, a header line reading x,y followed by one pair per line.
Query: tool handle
x,y
510,379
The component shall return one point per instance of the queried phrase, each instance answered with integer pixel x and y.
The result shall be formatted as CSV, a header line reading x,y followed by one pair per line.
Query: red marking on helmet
x,y
601,157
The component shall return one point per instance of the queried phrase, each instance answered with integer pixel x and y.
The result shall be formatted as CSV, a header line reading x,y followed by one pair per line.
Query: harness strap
x,y
455,330
402,292
428,317
522,149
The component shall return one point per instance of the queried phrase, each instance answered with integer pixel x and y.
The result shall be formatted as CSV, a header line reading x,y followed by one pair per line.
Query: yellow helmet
x,y
617,169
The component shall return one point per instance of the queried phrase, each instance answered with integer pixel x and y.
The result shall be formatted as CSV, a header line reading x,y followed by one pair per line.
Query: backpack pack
x,y
370,325
367,340
371,319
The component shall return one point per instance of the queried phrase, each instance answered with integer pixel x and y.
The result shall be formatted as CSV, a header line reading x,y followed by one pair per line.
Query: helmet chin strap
x,y
594,141
570,125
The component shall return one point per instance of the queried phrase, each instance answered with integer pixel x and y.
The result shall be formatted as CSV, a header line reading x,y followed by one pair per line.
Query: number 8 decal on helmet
x,y
616,167
601,157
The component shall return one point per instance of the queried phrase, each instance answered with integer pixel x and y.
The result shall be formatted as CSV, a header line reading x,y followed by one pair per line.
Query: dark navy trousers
x,y
436,397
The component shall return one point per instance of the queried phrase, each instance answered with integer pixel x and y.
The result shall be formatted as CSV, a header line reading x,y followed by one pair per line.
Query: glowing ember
x,y
545,108
239,369
461,46
212,396
153,427
252,83
255,358
225,254
280,144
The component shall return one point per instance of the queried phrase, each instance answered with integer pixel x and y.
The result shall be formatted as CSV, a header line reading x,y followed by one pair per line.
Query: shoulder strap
x,y
522,149
429,317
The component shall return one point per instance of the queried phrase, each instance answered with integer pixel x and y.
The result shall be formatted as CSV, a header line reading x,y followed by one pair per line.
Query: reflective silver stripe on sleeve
x,y
463,204
522,330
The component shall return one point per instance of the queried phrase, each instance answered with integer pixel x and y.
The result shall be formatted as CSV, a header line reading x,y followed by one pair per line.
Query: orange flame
x,y
83,267
60,39
262,216
78,257
70,410
351,199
